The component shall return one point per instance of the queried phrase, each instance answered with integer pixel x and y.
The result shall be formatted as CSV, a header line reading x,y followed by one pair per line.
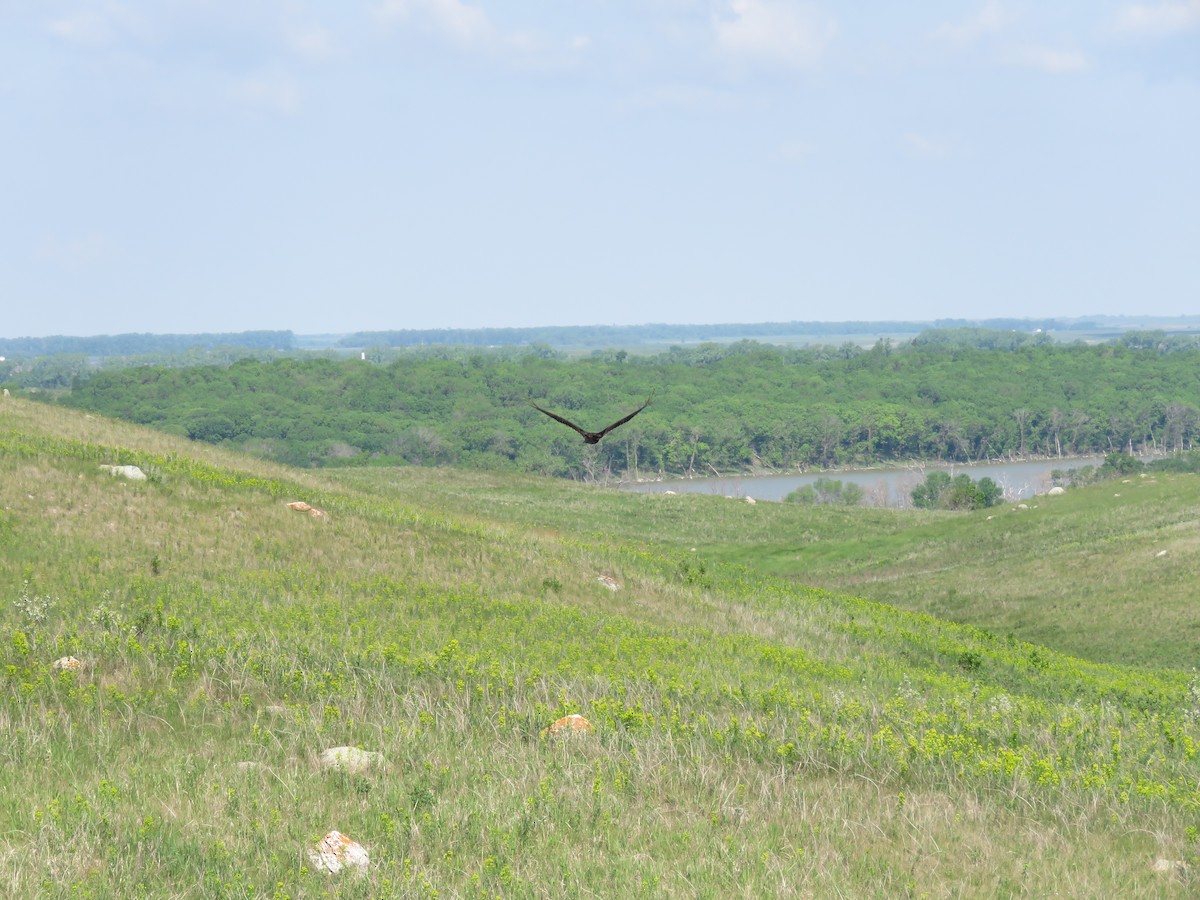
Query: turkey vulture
x,y
592,437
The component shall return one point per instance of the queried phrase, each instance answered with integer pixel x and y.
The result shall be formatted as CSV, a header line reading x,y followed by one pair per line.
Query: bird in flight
x,y
592,437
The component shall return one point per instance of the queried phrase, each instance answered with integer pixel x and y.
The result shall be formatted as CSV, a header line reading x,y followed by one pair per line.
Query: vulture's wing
x,y
567,422
620,422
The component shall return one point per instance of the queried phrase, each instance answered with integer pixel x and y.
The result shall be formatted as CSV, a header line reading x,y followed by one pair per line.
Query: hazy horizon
x,y
1148,320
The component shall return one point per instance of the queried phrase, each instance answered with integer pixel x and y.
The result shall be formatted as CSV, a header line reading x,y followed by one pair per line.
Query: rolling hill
x,y
751,735
1105,572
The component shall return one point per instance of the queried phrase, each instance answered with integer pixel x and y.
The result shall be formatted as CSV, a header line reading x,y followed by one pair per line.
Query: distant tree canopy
x,y
142,344
992,330
55,363
727,408
1160,341
982,338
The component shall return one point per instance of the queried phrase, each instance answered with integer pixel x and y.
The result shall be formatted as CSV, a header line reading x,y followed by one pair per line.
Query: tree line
x,y
717,409
601,336
138,343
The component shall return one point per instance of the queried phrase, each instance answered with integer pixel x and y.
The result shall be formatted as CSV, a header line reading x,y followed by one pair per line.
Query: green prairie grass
x,y
1105,572
751,737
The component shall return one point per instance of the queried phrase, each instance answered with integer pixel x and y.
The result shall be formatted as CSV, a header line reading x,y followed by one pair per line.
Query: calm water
x,y
883,487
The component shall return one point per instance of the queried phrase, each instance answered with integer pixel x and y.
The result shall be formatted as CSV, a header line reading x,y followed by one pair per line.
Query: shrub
x,y
940,491
827,491
1120,464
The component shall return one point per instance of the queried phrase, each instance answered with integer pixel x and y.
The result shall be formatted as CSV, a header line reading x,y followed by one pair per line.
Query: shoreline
x,y
912,466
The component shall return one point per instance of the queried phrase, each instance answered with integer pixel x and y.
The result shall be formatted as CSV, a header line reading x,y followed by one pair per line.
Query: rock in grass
x,y
609,582
1169,865
572,724
67,664
337,851
350,759
133,473
301,506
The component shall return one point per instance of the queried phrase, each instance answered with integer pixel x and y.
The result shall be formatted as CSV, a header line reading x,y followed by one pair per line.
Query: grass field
x,y
752,736
1105,572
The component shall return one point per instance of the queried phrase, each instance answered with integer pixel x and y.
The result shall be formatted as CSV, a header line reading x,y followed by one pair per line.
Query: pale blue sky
x,y
192,165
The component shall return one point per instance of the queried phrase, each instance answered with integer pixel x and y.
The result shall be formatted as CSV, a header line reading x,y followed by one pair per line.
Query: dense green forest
x,y
717,408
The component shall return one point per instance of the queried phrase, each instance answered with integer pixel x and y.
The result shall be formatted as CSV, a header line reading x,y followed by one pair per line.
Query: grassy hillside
x,y
751,737
1105,572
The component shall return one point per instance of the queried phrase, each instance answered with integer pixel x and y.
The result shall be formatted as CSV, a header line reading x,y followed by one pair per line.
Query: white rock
x,y
133,473
609,582
337,851
1056,491
751,500
350,759
67,664
1161,553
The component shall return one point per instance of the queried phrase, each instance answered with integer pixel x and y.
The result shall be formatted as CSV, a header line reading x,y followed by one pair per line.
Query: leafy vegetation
x,y
1118,465
736,408
828,491
752,737
941,491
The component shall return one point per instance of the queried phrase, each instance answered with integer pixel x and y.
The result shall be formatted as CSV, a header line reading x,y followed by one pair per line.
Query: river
x,y
889,487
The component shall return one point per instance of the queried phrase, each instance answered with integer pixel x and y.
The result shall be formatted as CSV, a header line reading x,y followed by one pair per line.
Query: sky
x,y
184,166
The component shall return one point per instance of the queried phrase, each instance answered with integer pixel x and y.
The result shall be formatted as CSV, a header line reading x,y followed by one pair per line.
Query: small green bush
x,y
827,491
940,491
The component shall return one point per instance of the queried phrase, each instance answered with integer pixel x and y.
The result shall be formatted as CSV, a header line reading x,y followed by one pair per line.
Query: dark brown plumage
x,y
592,437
